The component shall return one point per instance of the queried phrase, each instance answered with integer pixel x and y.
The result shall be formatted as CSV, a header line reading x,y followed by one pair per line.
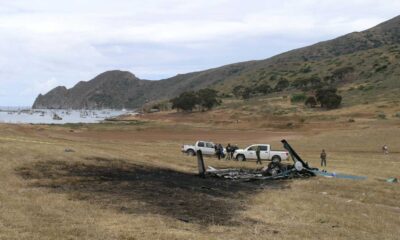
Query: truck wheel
x,y
276,159
241,157
190,152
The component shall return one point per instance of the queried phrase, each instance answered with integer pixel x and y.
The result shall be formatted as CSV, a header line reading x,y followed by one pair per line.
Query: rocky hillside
x,y
371,58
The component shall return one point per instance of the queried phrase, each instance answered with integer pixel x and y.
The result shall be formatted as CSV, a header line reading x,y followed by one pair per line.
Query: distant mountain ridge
x,y
121,89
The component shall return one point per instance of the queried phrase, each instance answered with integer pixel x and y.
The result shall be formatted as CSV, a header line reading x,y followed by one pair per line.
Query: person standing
x,y
258,150
323,158
221,151
385,149
216,147
233,149
228,151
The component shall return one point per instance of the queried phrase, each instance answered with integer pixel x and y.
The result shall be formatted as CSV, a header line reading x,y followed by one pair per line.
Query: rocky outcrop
x,y
112,89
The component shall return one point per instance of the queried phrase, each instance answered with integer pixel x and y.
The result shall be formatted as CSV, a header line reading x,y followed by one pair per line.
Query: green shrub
x,y
282,85
341,73
381,68
306,69
246,93
300,97
289,124
381,116
238,90
311,102
367,88
263,88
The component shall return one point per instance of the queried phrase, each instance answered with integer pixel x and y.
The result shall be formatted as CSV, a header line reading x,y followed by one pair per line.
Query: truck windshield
x,y
252,148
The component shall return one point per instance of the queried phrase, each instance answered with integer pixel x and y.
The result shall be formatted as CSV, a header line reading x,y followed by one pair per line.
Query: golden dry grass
x,y
131,182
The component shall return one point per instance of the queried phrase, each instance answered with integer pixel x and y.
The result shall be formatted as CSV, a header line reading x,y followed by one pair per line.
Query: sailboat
x,y
56,117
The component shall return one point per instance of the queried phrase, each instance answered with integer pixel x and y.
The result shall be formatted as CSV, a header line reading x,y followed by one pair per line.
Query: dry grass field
x,y
130,181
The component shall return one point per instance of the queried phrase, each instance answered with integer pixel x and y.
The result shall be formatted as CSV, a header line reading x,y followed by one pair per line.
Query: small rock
x,y
392,180
68,150
183,219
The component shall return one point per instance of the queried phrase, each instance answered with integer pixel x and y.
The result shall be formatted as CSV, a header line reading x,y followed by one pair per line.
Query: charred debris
x,y
275,169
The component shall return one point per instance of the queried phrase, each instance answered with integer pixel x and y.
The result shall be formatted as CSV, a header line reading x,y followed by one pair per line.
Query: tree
x,y
300,84
315,82
246,93
242,91
328,98
207,98
342,73
282,85
322,92
332,101
238,91
311,102
186,101
263,88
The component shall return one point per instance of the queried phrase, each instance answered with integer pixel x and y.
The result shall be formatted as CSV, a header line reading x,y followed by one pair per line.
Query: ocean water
x,y
21,115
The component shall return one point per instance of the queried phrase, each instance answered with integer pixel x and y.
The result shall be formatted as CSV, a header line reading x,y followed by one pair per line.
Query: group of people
x,y
219,151
230,150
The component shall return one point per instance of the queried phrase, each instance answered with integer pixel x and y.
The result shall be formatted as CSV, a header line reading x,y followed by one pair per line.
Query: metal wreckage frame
x,y
274,170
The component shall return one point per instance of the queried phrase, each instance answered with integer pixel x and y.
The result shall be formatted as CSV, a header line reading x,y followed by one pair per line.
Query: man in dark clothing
x,y
323,158
221,151
228,151
217,151
258,150
233,149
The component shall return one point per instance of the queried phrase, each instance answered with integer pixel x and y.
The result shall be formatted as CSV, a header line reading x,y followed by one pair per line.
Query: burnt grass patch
x,y
135,189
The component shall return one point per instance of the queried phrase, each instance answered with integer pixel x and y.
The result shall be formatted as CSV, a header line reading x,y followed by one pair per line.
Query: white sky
x,y
46,43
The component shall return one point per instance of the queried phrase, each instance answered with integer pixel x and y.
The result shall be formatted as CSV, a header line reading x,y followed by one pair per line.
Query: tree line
x,y
320,91
316,91
204,99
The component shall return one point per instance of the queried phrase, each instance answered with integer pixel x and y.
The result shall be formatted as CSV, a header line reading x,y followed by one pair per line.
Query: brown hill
x,y
373,56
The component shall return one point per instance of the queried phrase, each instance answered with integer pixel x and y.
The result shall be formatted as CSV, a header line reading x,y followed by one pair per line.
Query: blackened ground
x,y
134,189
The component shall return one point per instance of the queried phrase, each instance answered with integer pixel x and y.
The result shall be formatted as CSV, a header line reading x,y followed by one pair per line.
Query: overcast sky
x,y
46,43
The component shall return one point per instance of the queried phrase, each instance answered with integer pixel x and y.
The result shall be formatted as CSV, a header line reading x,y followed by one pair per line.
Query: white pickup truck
x,y
206,148
265,153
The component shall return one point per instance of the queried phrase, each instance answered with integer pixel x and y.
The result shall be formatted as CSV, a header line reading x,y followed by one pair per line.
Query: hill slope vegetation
x,y
368,60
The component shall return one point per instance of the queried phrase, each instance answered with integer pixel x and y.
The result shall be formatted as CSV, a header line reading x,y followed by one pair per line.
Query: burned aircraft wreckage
x,y
274,170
